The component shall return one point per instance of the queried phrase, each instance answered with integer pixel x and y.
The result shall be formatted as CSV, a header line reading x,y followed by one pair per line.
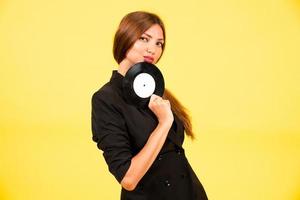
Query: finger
x,y
156,98
153,97
168,102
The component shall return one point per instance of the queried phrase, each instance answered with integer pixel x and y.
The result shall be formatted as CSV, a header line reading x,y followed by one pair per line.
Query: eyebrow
x,y
151,37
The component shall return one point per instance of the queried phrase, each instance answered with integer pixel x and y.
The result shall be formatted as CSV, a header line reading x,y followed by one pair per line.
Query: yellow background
x,y
234,64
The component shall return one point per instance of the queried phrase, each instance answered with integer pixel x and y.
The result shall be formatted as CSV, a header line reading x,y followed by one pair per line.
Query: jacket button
x,y
182,176
167,183
178,151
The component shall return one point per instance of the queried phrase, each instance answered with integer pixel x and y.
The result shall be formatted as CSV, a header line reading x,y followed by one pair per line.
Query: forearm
x,y
142,161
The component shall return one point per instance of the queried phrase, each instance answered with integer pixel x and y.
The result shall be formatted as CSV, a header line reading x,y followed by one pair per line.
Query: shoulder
x,y
106,93
107,97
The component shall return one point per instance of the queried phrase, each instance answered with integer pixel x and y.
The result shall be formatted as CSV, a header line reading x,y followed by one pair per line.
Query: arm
x,y
110,134
142,161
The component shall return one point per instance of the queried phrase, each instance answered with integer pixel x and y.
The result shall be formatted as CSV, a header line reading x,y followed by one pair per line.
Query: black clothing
x,y
121,130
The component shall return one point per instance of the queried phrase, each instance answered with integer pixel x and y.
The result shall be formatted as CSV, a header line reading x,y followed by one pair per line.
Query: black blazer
x,y
121,130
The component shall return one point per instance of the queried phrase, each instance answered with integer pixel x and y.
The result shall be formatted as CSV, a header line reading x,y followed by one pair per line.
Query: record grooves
x,y
141,81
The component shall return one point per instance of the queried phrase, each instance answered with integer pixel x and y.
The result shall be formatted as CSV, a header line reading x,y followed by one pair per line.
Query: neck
x,y
124,66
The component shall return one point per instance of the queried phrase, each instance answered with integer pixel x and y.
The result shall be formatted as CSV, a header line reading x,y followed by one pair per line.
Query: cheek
x,y
136,50
138,47
159,52
131,54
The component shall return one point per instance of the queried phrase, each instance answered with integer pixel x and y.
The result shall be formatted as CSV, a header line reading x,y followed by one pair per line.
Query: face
x,y
147,48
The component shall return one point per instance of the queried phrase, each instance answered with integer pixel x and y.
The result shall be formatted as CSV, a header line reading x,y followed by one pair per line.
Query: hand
x,y
161,108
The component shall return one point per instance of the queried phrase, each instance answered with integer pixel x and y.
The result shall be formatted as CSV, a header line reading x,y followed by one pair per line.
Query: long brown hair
x,y
131,27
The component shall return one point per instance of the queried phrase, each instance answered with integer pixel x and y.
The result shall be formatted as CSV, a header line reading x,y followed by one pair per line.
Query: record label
x,y
144,85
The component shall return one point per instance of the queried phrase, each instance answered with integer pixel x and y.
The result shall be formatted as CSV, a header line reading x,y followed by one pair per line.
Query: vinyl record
x,y
141,81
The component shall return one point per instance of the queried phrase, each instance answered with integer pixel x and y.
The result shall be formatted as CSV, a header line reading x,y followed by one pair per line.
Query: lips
x,y
148,59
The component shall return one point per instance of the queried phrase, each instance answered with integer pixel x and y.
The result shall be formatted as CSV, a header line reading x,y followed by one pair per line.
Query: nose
x,y
150,49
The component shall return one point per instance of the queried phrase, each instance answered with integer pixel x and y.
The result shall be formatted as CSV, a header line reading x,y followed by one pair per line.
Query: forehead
x,y
155,31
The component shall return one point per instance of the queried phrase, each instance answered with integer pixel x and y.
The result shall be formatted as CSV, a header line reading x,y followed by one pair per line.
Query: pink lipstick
x,y
148,59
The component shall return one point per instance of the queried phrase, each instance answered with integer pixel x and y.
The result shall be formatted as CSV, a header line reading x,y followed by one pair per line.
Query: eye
x,y
160,44
144,39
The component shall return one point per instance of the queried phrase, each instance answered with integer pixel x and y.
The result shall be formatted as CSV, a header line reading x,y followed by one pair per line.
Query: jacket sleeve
x,y
110,134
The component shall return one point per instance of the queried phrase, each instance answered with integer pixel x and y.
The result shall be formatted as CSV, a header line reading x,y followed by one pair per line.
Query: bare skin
x,y
142,161
149,44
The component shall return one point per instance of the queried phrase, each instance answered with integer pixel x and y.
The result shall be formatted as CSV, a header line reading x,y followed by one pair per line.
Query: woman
x,y
143,147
